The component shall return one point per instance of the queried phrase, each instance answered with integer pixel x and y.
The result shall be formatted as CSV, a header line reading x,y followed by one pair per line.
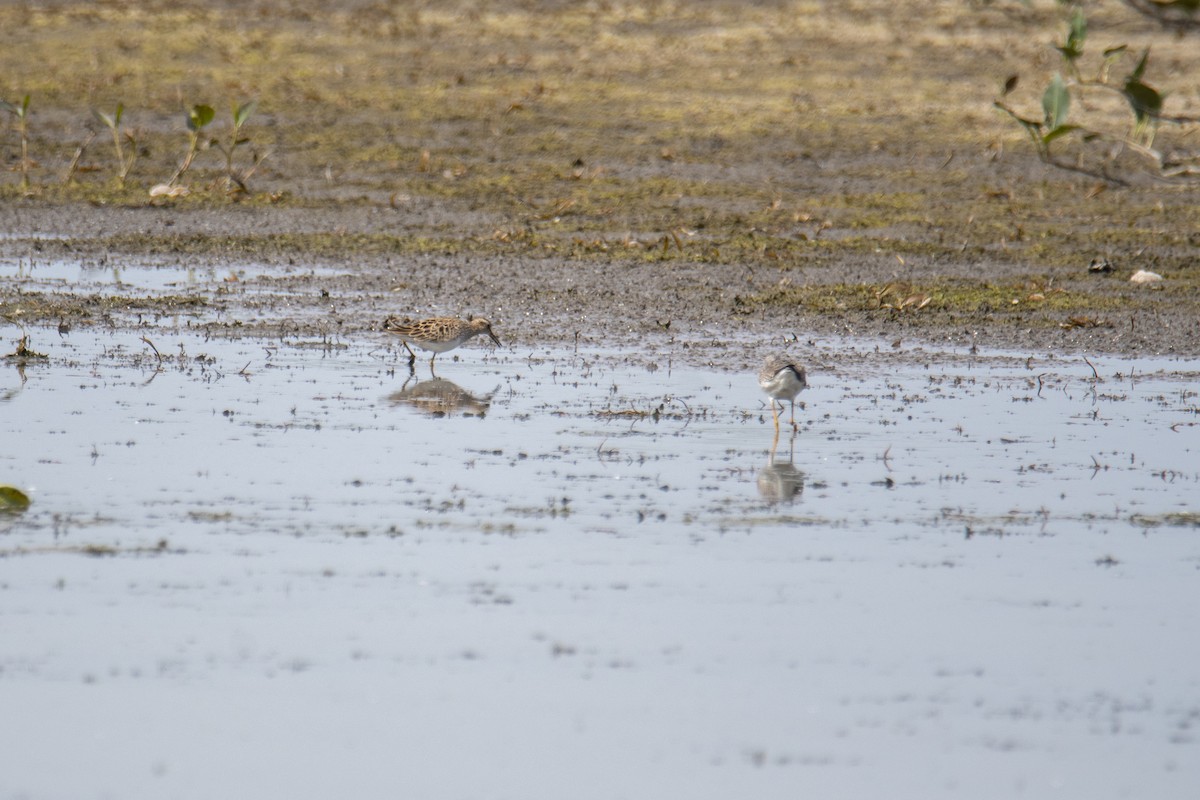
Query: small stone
x,y
1144,276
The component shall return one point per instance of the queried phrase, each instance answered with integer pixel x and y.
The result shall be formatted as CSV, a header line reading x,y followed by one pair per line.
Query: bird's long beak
x,y
494,337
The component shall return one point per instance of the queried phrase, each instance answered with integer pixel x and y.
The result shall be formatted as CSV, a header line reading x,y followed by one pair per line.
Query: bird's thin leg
x,y
412,357
794,426
431,358
775,415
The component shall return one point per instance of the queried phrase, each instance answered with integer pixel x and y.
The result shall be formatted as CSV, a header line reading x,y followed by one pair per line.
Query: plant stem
x,y
74,165
127,166
24,154
120,156
193,148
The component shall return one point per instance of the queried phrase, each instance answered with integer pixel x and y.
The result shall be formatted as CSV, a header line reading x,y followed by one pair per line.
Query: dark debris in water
x,y
97,550
23,354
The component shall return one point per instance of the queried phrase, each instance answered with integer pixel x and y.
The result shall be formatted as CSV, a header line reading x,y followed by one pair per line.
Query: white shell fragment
x,y
166,190
1143,276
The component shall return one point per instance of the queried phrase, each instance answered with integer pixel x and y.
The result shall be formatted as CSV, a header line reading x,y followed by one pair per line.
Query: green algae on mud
x,y
1013,300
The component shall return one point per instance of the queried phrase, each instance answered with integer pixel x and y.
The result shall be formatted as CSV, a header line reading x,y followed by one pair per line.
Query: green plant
x,y
113,122
1144,101
21,112
240,115
198,117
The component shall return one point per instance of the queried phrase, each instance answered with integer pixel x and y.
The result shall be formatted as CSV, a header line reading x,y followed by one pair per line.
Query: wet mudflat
x,y
554,572
259,562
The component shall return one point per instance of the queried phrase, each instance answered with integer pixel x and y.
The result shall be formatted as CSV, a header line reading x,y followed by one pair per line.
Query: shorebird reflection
x,y
779,481
441,398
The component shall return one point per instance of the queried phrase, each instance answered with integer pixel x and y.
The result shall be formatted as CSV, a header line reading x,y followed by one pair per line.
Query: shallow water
x,y
582,574
150,279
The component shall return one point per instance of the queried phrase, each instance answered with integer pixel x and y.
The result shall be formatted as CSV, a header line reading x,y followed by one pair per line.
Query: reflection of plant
x,y
21,112
198,117
1145,104
113,123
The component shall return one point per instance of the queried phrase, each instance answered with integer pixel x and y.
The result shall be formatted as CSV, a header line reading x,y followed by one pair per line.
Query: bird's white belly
x,y
784,386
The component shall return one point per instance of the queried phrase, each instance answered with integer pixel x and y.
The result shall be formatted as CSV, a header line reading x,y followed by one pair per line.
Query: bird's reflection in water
x,y
779,481
441,398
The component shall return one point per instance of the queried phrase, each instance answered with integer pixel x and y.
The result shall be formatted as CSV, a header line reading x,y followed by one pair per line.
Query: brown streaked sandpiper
x,y
438,334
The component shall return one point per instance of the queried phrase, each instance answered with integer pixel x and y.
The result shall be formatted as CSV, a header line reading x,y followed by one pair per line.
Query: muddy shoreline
x,y
707,308
707,174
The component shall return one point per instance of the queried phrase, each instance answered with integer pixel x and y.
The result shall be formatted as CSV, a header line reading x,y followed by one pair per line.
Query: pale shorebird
x,y
438,334
782,379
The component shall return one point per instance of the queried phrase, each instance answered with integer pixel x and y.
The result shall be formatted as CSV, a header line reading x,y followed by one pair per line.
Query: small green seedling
x,y
1072,48
113,123
21,112
198,117
240,115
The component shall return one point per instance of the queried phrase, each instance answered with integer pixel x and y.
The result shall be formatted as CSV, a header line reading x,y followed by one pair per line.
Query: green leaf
x,y
243,113
1078,28
1140,69
1055,102
1059,132
24,106
1076,34
1145,101
200,116
13,500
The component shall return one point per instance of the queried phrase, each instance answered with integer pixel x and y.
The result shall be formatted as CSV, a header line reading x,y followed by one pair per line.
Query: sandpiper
x,y
782,379
438,334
